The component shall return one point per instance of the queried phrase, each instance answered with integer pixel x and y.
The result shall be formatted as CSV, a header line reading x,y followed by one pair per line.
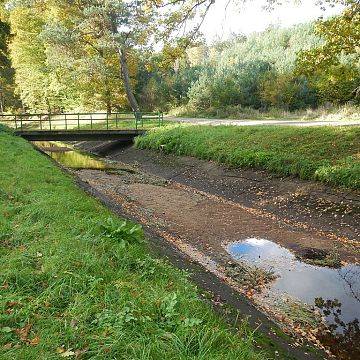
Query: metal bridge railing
x,y
83,121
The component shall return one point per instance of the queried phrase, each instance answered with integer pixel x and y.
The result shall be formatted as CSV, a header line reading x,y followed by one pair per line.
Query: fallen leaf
x,y
11,304
80,352
35,341
60,350
24,332
4,286
67,353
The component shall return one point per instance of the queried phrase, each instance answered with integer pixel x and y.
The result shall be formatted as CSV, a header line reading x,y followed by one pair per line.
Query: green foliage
x,y
237,84
277,46
124,234
39,88
285,91
328,154
249,72
85,53
8,99
54,69
67,55
334,67
338,84
297,68
68,287
159,90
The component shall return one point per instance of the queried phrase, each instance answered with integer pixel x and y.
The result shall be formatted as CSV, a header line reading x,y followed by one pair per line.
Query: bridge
x,y
120,126
80,135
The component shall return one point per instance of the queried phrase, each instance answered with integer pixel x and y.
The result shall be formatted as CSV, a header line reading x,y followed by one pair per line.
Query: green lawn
x,y
327,154
77,281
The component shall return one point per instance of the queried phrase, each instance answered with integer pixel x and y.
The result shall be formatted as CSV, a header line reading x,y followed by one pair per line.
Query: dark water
x,y
69,157
335,292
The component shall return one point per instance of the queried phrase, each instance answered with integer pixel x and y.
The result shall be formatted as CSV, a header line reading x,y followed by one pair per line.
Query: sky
x,y
220,23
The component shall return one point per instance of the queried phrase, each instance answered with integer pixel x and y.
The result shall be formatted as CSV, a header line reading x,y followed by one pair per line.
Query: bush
x,y
237,84
338,84
287,92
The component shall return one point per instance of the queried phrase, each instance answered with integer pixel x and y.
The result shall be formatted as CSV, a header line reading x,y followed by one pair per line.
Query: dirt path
x,y
249,122
200,208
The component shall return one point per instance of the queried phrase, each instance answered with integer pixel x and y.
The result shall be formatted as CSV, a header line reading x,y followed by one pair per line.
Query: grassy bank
x,y
327,154
76,281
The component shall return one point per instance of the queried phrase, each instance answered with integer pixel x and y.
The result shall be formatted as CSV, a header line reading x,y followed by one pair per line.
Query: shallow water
x,y
69,157
306,282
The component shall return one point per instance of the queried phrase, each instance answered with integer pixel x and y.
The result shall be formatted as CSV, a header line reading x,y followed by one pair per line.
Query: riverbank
x,y
76,281
203,209
326,154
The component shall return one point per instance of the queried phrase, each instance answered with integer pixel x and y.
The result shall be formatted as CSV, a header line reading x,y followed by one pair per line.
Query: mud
x,y
333,214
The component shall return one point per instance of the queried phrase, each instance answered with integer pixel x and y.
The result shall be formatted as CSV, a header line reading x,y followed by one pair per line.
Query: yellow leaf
x,y
35,341
67,353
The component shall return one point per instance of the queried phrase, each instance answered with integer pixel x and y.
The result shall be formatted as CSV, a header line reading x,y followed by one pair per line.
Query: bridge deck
x,y
82,135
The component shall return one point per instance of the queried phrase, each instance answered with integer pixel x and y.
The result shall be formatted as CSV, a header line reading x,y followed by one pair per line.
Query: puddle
x,y
69,157
330,290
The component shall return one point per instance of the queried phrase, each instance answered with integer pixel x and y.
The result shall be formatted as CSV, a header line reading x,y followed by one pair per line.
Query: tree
x,y
98,30
7,86
286,91
38,87
121,26
76,53
84,44
334,67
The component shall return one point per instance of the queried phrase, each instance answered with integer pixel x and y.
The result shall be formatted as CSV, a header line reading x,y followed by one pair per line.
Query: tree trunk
x,y
108,97
127,82
123,66
108,107
107,94
1,102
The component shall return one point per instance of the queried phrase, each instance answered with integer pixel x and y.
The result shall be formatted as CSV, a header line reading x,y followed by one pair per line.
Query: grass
x,y
76,281
333,113
327,154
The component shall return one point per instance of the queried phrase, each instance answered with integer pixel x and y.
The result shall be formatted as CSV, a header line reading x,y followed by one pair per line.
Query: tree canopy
x,y
83,53
334,67
148,54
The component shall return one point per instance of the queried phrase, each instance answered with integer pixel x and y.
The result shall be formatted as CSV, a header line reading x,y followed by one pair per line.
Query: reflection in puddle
x,y
335,292
67,156
303,281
